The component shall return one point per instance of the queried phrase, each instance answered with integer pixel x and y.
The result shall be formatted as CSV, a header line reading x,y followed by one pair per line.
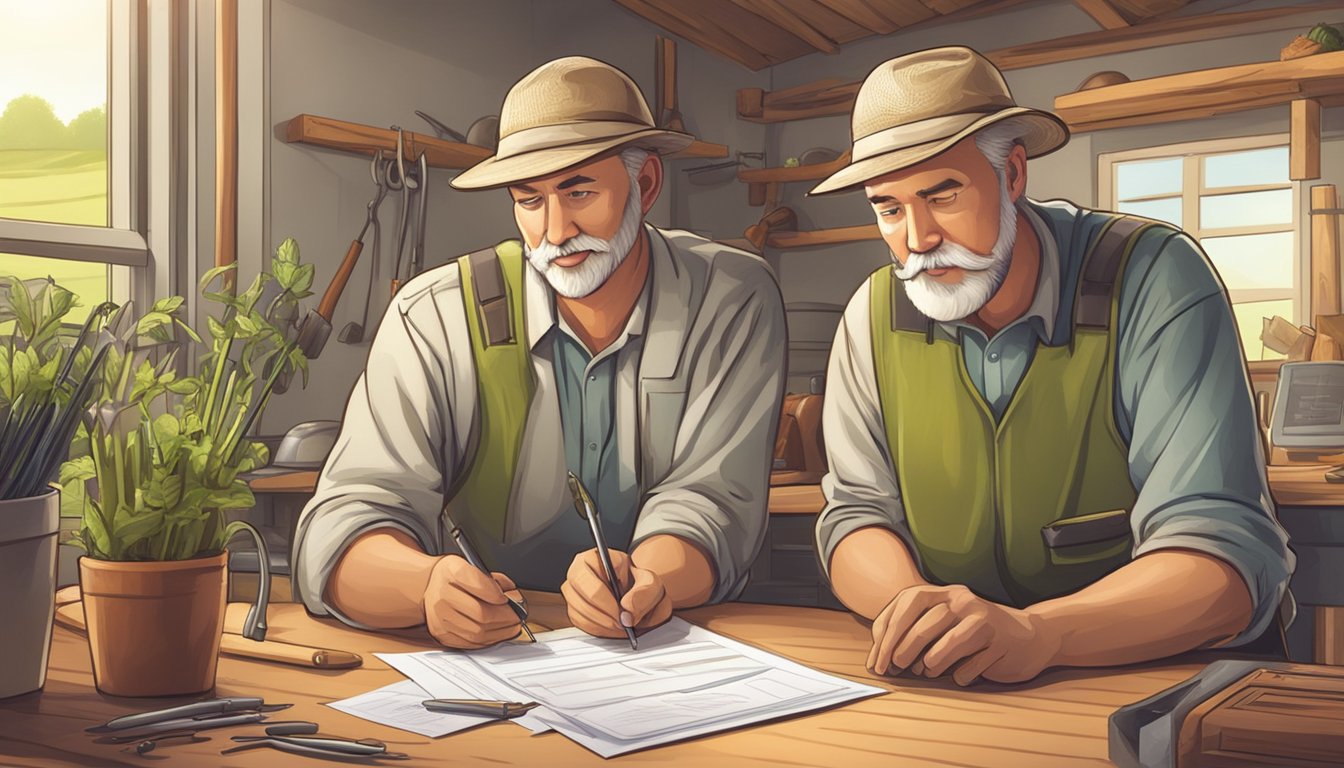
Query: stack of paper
x,y
683,681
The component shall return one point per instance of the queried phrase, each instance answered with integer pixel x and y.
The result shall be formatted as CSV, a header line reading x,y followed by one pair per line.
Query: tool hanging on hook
x,y
412,182
353,332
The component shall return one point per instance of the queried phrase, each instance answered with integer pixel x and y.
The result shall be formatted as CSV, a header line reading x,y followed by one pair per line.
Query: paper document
x,y
683,681
398,706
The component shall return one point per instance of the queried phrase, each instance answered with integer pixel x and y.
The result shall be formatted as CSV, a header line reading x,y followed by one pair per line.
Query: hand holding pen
x,y
467,606
611,596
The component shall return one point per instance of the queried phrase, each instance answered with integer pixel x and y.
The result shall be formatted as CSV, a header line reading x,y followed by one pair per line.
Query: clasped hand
x,y
929,630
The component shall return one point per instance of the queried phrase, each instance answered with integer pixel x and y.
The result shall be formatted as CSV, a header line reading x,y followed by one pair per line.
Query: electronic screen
x,y
1309,406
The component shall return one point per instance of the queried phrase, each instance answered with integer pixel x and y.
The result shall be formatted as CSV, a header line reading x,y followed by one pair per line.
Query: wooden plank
x,y
1103,13
811,172
356,137
707,36
1174,31
774,12
1329,645
796,500
864,15
826,21
835,236
702,149
1304,143
1325,250
1194,94
949,7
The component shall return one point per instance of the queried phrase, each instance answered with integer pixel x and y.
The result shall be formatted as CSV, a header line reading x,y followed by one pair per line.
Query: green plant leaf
x,y
304,280
168,305
288,251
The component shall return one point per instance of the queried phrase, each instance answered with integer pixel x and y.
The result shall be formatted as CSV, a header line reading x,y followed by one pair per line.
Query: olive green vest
x,y
1035,505
492,295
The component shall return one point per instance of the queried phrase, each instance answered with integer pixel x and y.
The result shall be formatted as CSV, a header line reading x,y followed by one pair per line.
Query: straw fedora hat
x,y
563,113
918,105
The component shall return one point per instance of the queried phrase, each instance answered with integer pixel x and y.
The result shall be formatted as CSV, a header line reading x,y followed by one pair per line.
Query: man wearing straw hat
x,y
649,363
1042,445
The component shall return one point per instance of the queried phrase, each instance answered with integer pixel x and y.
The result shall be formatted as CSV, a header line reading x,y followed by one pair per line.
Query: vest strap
x,y
1101,267
492,304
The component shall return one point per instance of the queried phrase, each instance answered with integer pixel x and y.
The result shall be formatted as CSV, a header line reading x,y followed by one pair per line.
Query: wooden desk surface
x,y
1058,720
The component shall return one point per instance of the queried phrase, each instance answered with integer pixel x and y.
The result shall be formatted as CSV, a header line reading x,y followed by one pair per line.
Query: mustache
x,y
547,252
945,256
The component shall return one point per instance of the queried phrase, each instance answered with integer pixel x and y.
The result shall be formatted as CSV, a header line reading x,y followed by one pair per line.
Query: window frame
x,y
1193,190
141,55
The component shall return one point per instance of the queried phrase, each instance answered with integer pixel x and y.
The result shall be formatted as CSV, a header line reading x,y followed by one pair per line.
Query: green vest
x,y
1035,505
492,295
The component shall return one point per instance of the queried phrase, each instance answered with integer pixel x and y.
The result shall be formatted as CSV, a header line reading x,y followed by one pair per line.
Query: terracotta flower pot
x,y
154,627
27,584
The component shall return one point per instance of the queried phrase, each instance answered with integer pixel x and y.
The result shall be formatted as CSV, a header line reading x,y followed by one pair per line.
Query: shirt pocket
x,y
1088,538
662,406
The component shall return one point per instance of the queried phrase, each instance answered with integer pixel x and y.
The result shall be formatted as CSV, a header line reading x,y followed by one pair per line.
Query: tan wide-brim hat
x,y
918,105
564,113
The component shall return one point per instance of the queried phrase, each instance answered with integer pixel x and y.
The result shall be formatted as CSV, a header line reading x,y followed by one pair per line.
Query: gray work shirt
x,y
1182,403
695,418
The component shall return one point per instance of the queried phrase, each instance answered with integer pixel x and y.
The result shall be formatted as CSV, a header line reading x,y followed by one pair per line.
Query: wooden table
x,y
1058,720
1312,511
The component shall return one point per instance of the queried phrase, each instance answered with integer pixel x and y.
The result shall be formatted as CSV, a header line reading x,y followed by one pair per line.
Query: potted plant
x,y
46,381
161,467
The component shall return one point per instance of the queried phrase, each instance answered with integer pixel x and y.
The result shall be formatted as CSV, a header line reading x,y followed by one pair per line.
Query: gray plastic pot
x,y
28,529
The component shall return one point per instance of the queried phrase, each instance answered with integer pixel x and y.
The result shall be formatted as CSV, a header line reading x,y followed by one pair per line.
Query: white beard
x,y
604,257
946,302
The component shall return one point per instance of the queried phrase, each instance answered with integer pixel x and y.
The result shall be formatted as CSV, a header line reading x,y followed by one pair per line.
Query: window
x,y
1235,198
67,161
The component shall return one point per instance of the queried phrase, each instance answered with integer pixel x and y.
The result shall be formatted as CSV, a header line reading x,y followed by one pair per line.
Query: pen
x,y
583,503
499,709
195,709
470,555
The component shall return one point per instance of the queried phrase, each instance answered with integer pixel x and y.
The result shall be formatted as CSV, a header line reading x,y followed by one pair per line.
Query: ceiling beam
x,y
707,36
836,99
774,12
1103,13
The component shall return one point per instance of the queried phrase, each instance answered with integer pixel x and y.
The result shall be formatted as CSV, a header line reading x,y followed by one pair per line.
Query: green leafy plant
x,y
164,449
47,378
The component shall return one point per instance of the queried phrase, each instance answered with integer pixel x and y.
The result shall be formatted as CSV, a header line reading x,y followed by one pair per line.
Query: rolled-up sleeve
x,y
717,488
387,468
861,487
1184,402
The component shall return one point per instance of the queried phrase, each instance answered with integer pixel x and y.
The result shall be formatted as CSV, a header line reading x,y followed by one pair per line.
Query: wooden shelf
x,y
439,153
356,137
1205,93
836,97
804,239
782,174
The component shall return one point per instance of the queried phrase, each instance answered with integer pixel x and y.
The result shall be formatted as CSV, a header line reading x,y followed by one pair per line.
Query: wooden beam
x,y
774,12
226,136
705,35
837,98
1304,147
864,15
367,139
1325,250
804,239
1103,13
813,172
1203,93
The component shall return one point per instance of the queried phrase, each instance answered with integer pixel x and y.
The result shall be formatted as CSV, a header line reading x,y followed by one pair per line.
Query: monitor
x,y
1309,406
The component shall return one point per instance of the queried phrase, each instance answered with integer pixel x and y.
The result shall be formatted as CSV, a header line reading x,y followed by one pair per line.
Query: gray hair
x,y
634,158
997,140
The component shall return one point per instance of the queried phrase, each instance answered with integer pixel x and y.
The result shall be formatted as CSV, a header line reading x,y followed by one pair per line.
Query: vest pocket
x,y
1087,538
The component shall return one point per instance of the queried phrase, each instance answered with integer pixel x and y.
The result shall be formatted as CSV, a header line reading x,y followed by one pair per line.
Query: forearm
x,y
869,567
686,571
380,580
1159,605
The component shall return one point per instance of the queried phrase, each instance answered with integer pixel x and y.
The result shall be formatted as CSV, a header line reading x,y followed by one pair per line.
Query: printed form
x,y
683,681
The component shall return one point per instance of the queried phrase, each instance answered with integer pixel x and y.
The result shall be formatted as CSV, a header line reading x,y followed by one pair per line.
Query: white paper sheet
x,y
683,681
398,706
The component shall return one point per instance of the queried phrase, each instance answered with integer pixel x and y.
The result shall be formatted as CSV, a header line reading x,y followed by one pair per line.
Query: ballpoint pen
x,y
469,553
193,710
583,503
503,710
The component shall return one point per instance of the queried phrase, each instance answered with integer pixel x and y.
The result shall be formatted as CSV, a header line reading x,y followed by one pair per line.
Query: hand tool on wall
x,y
403,181
665,84
353,332
422,198
440,129
782,218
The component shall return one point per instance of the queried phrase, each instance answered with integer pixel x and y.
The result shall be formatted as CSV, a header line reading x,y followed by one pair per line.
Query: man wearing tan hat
x,y
647,363
1042,445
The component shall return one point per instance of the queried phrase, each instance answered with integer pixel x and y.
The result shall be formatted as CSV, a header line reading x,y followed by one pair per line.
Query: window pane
x,y
1250,321
1246,209
1148,177
1237,169
1167,209
86,280
1253,261
53,111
